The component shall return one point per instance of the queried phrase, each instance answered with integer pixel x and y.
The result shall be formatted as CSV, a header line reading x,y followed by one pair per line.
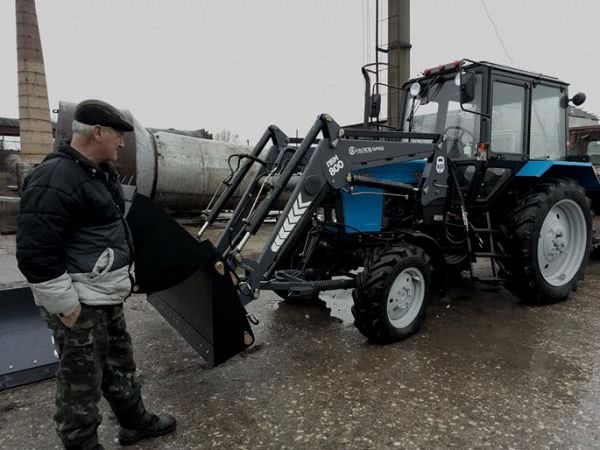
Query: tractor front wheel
x,y
393,293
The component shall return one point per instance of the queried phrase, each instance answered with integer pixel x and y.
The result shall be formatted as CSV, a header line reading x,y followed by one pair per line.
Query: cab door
x,y
510,120
508,136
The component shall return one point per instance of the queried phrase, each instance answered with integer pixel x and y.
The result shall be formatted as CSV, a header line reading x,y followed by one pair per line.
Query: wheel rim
x,y
562,243
405,297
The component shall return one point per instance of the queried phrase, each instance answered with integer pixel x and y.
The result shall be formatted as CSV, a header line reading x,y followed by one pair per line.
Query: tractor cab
x,y
489,111
493,119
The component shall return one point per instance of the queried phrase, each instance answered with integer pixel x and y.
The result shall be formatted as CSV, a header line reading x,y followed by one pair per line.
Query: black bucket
x,y
188,283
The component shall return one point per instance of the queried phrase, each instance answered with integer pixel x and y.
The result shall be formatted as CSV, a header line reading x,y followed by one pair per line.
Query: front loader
x,y
330,227
477,173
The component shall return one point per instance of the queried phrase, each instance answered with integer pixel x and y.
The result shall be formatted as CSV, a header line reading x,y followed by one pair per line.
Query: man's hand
x,y
70,320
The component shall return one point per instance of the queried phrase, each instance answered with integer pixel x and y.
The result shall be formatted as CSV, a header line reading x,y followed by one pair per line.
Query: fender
x,y
582,172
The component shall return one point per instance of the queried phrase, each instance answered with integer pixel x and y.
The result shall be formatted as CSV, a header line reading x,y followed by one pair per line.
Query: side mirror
x,y
374,106
578,99
467,88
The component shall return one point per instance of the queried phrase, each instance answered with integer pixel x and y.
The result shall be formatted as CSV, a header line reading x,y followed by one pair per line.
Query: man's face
x,y
110,142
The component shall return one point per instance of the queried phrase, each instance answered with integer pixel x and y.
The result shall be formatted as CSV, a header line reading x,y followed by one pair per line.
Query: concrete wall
x,y
9,208
8,171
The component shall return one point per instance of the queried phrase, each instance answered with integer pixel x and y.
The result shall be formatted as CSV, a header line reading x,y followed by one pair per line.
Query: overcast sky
x,y
242,65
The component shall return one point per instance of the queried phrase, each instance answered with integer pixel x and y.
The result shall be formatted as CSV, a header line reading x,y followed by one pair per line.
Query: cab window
x,y
507,117
547,138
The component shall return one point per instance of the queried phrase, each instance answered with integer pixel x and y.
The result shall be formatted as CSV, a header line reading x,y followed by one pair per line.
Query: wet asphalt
x,y
483,371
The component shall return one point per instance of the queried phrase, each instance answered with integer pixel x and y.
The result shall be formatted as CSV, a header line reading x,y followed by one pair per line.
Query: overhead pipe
x,y
179,172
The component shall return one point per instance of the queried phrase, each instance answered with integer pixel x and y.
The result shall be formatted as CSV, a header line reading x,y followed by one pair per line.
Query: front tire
x,y
551,232
393,293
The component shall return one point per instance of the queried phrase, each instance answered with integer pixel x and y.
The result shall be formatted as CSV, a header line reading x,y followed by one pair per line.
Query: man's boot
x,y
155,426
137,423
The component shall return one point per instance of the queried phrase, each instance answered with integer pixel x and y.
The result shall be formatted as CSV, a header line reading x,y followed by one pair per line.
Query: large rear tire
x,y
551,232
390,303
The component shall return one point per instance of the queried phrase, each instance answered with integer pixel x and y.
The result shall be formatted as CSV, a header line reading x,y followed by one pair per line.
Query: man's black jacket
x,y
73,243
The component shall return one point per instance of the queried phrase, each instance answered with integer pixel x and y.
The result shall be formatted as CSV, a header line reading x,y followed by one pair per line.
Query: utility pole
x,y
34,113
398,55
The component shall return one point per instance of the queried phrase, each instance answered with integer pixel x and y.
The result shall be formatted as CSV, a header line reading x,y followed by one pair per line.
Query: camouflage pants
x,y
96,358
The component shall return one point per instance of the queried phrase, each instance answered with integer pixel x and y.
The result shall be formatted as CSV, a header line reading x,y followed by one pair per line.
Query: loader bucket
x,y
178,274
27,352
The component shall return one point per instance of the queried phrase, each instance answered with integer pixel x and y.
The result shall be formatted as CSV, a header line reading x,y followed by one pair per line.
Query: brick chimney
x,y
34,111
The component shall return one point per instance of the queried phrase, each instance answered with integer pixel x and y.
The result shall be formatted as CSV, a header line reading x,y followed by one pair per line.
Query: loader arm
x,y
329,168
276,155
280,140
267,204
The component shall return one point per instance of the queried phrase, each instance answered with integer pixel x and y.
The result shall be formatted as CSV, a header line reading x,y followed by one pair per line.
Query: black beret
x,y
96,112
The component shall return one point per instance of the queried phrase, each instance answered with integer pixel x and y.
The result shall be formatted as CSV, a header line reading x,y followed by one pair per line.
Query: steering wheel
x,y
461,132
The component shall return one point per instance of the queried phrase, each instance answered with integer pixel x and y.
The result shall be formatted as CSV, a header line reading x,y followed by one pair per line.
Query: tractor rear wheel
x,y
551,232
393,293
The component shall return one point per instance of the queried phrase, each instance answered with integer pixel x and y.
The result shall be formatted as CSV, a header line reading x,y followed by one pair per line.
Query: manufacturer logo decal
x,y
440,164
298,209
364,150
334,165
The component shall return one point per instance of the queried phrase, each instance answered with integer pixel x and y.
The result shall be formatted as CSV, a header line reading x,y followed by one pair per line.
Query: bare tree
x,y
227,136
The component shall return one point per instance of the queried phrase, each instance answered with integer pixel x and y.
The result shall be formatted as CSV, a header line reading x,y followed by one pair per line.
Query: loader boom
x,y
328,169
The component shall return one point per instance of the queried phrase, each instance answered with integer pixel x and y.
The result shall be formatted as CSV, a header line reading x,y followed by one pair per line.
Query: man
x,y
74,248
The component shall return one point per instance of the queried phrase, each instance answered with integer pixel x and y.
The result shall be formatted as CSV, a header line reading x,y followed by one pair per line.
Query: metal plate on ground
x,y
27,352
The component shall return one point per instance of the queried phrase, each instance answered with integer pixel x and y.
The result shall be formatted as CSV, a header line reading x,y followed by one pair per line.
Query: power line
x,y
497,32
389,17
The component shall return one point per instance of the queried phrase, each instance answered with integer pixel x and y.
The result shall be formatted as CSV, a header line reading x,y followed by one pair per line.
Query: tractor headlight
x,y
415,89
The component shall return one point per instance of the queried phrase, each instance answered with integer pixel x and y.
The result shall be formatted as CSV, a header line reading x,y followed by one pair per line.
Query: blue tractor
x,y
477,173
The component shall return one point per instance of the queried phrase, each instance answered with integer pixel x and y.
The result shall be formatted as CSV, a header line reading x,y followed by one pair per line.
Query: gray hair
x,y
82,129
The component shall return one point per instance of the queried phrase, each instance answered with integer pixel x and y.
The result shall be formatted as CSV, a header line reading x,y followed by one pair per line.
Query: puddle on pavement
x,y
333,306
339,302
